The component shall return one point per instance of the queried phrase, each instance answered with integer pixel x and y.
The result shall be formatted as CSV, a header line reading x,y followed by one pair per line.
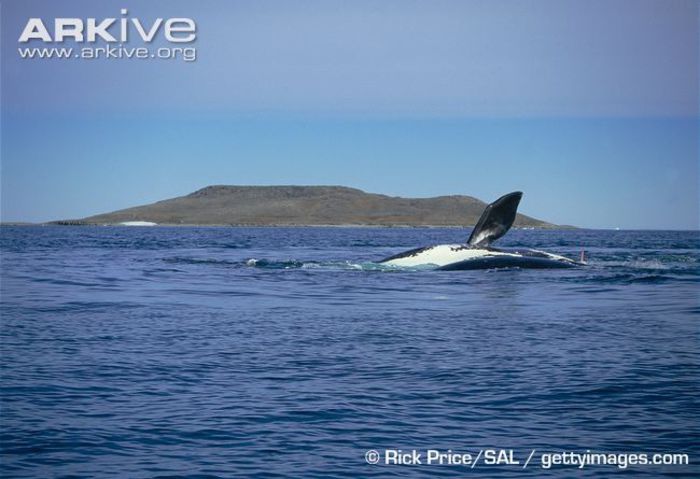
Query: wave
x,y
325,265
613,268
274,264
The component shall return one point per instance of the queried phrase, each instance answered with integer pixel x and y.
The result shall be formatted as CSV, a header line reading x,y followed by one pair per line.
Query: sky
x,y
589,107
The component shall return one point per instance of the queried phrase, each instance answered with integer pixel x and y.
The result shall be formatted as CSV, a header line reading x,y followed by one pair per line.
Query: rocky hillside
x,y
304,205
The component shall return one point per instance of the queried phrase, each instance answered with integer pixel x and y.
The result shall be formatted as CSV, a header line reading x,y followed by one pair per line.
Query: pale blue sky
x,y
590,107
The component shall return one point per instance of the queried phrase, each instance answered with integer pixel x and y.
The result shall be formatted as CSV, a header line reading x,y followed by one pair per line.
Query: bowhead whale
x,y
477,253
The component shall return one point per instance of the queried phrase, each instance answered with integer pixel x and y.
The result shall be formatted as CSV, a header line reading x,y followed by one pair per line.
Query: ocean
x,y
146,352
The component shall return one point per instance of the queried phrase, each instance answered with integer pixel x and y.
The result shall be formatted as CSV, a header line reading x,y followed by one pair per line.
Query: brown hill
x,y
304,205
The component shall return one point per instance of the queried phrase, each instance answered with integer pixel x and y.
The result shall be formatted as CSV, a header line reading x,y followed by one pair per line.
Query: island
x,y
301,206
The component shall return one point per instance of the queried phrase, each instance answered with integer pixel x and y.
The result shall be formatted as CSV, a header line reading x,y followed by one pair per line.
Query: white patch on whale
x,y
441,255
444,254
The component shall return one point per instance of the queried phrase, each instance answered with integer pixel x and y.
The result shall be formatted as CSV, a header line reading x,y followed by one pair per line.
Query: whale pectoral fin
x,y
496,220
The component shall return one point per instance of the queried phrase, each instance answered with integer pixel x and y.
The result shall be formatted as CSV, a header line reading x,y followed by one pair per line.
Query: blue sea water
x,y
286,352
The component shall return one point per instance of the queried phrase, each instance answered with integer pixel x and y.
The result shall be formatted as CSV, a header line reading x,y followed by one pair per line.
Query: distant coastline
x,y
289,206
182,225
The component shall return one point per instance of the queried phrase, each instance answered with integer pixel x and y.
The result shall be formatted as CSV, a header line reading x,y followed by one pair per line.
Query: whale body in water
x,y
477,252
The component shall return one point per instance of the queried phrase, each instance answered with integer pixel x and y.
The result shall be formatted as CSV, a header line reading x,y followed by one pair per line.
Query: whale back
x,y
495,221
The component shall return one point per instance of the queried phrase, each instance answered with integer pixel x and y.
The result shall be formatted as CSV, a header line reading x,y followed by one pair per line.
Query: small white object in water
x,y
138,223
251,262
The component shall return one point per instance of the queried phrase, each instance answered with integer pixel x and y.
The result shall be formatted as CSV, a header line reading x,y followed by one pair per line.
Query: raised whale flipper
x,y
496,220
